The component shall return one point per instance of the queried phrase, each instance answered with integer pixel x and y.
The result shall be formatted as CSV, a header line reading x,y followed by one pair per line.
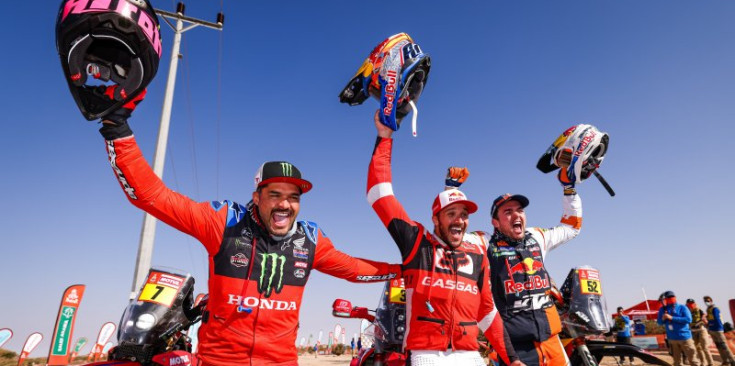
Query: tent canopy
x,y
644,310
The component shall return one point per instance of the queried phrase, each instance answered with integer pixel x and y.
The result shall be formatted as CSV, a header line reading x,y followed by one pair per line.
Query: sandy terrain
x,y
309,360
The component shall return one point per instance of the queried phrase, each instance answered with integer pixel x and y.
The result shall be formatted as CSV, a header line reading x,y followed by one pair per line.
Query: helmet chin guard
x,y
395,74
102,43
581,149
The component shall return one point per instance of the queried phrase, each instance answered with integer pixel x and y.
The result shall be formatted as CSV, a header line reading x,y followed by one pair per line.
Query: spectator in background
x,y
699,333
622,324
639,327
675,318
716,331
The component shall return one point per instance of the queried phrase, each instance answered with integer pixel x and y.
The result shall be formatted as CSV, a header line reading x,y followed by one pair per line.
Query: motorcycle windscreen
x,y
367,333
587,306
158,308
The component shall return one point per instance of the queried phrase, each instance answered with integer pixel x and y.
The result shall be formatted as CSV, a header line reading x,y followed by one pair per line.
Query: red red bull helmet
x,y
106,42
395,74
580,148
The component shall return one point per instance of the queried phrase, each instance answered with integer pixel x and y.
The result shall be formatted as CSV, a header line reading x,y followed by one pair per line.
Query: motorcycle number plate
x,y
397,292
589,282
161,288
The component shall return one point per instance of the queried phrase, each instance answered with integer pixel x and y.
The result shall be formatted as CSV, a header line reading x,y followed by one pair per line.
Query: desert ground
x,y
309,360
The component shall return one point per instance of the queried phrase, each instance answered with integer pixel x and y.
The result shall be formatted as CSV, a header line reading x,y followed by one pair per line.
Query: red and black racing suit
x,y
453,281
247,266
520,284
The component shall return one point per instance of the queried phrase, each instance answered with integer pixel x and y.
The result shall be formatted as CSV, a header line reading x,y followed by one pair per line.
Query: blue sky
x,y
507,78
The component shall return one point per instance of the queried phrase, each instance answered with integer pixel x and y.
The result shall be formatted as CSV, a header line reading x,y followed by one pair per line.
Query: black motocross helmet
x,y
114,41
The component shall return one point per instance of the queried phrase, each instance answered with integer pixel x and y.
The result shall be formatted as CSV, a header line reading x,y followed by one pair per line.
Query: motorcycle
x,y
581,307
583,314
153,328
382,339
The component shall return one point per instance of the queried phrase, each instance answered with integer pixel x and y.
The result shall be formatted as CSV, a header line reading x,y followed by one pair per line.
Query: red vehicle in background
x,y
382,337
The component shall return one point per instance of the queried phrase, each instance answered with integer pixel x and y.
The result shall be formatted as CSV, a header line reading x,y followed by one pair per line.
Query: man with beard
x,y
445,271
260,257
519,279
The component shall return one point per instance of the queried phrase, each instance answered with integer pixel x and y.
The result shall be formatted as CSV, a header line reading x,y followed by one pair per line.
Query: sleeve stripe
x,y
379,191
484,324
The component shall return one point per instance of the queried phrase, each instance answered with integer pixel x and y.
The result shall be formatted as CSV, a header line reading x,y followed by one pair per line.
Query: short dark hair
x,y
707,298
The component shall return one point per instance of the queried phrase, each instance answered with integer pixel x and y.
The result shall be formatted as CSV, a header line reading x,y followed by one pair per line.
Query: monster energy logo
x,y
268,273
287,169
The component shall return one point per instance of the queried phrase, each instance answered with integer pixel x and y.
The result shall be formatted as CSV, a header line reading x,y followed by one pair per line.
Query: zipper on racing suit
x,y
454,303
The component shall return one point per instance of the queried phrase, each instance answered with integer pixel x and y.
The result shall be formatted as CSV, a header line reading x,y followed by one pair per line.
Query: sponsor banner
x,y
81,342
92,354
106,332
64,329
33,340
337,331
5,335
645,342
102,338
106,348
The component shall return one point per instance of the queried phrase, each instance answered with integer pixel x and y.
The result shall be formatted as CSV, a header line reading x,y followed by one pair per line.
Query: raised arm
x,y
333,262
568,228
380,194
146,191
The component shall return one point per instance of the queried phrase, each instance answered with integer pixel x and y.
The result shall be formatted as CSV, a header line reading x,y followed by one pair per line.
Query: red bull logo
x,y
455,196
532,283
528,265
390,92
585,141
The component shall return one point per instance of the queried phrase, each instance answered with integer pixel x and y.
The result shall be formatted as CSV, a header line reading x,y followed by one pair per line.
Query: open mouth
x,y
456,231
280,218
517,227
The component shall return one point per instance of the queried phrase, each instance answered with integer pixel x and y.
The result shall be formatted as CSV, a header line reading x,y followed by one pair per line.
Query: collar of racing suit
x,y
498,236
441,242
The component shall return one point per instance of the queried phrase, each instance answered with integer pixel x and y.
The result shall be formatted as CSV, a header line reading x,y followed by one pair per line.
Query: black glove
x,y
115,124
121,115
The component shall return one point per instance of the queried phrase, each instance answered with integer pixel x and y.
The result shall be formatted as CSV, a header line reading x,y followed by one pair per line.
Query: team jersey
x,y
448,297
256,281
519,279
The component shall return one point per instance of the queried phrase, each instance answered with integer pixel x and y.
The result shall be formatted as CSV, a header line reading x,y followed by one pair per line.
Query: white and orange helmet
x,y
581,149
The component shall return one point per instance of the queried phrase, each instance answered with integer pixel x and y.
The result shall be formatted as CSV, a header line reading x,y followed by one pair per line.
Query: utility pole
x,y
148,232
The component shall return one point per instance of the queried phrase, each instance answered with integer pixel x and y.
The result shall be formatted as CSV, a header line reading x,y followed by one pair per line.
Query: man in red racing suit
x,y
520,283
446,273
260,258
